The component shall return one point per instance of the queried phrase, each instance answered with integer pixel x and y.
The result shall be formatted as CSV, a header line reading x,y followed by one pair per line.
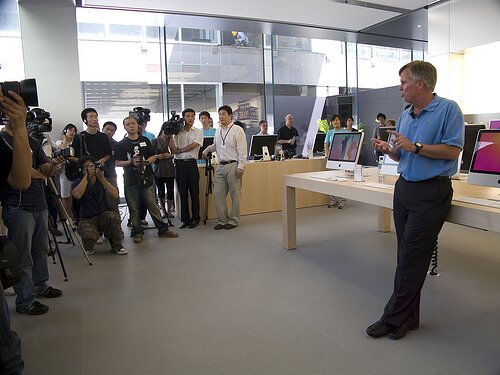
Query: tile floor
x,y
234,302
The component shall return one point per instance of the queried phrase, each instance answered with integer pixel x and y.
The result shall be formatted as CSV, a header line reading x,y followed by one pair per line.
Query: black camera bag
x,y
10,263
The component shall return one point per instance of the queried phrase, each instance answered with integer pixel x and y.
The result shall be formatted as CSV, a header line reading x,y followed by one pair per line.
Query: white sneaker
x,y
121,251
9,291
99,241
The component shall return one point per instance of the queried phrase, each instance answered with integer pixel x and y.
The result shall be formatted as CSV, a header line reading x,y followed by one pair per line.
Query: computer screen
x,y
494,124
471,131
485,165
207,141
382,131
389,166
319,143
344,150
258,141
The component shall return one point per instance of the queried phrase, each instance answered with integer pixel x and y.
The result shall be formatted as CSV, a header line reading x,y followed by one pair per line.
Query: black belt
x,y
176,160
224,162
433,179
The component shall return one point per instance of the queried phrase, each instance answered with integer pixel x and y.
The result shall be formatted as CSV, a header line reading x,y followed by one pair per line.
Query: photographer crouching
x,y
95,217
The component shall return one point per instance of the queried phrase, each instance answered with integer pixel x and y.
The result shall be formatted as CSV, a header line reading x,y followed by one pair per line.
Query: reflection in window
x,y
91,29
9,17
125,30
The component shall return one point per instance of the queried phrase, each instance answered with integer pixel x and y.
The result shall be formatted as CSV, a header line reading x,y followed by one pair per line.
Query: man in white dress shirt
x,y
231,147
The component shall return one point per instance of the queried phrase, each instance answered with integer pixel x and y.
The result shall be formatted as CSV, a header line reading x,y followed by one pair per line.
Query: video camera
x,y
38,121
26,89
173,125
140,114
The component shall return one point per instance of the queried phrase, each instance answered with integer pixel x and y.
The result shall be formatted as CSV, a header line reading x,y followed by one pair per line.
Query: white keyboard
x,y
379,185
479,201
328,176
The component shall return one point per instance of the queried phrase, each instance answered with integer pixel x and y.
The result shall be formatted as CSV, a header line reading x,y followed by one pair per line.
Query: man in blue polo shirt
x,y
428,139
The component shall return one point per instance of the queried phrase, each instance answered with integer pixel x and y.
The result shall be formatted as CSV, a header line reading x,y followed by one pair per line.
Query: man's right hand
x,y
15,111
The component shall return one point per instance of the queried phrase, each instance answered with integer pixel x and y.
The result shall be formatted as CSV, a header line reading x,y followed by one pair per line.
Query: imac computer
x,y
344,150
258,141
485,166
383,132
319,144
207,141
494,124
469,142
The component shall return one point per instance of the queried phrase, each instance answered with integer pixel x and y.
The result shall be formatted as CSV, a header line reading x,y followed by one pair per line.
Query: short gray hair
x,y
422,71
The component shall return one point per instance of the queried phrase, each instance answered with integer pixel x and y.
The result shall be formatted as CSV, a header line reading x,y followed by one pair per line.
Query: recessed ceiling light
x,y
419,26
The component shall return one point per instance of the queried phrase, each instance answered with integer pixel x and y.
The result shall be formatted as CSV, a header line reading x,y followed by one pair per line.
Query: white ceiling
x,y
348,15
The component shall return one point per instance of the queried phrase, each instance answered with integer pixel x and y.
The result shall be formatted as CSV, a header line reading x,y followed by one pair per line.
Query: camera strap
x,y
5,141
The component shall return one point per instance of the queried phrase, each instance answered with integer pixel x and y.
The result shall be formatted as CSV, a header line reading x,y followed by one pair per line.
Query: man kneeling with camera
x,y
94,215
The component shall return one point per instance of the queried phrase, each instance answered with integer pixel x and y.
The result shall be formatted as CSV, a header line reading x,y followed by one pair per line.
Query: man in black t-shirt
x,y
136,154
92,142
288,137
26,217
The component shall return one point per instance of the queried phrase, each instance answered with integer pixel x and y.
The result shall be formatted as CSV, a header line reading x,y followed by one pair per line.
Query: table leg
x,y
384,219
289,219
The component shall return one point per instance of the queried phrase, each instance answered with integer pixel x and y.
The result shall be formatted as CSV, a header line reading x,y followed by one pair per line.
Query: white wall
x,y
462,36
49,38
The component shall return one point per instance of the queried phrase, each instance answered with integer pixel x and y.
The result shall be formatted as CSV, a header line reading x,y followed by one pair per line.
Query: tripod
x,y
209,169
66,219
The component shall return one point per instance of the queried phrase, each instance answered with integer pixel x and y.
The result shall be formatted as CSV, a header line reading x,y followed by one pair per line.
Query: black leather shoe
x,y
184,225
397,333
219,227
194,224
230,226
378,329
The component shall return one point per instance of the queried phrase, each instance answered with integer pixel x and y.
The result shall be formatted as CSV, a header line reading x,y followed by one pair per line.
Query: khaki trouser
x,y
226,181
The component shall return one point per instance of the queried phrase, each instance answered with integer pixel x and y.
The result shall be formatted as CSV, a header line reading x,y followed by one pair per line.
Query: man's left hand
x,y
239,172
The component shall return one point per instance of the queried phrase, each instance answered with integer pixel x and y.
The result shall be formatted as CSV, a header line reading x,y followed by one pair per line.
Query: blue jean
x,y
28,231
11,362
136,195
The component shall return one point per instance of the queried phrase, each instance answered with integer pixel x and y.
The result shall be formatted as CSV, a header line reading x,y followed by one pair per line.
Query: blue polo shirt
x,y
329,135
210,132
441,122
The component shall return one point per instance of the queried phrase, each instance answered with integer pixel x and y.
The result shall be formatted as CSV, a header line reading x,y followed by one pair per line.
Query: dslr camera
x,y
26,89
65,153
140,114
174,125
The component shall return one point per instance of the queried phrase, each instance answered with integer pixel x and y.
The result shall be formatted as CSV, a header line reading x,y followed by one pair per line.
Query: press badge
x,y
223,146
142,144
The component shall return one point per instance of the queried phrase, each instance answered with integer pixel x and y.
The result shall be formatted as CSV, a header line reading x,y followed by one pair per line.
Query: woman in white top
x,y
65,141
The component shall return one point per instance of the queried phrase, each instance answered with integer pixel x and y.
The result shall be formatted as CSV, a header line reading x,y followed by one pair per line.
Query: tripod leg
x,y
68,220
54,249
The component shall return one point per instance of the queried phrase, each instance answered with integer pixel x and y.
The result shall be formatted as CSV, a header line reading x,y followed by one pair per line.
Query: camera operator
x,y
94,215
26,217
15,173
135,154
142,116
165,174
186,146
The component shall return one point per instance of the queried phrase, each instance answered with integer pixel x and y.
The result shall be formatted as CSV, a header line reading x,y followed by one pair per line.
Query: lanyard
x,y
224,138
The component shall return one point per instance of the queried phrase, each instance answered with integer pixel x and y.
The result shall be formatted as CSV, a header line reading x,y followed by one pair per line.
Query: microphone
x,y
413,115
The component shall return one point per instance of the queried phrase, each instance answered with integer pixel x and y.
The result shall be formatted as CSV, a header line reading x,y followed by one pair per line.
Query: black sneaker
x,y
36,308
50,293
